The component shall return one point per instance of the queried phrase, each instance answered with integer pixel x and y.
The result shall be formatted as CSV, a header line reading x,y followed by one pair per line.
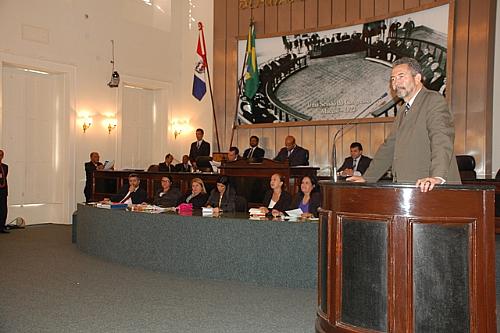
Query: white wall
x,y
78,33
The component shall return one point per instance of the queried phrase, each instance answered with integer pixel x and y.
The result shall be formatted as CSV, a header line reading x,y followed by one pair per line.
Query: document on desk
x,y
294,212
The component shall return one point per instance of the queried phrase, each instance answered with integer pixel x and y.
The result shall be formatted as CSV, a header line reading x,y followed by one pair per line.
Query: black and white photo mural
x,y
336,74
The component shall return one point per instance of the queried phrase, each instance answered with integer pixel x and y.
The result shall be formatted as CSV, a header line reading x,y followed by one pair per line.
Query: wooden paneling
x,y
311,13
396,5
411,4
218,69
381,7
268,142
363,137
322,147
339,11
244,19
353,10
308,141
259,16
367,8
284,18
470,68
324,13
298,15
458,86
271,19
480,33
377,137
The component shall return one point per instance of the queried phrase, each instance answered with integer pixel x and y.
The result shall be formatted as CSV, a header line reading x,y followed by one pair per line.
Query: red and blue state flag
x,y
199,85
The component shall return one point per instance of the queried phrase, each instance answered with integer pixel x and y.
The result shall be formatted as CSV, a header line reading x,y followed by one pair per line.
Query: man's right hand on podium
x,y
356,179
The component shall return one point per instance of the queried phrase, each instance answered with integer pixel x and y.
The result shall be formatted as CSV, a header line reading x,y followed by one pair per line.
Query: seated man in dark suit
x,y
199,148
356,164
233,154
184,166
131,193
90,167
254,151
167,166
295,155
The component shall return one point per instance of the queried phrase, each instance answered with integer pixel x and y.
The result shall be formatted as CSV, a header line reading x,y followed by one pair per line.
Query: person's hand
x,y
427,184
275,213
347,172
306,215
264,210
100,167
106,201
216,210
356,179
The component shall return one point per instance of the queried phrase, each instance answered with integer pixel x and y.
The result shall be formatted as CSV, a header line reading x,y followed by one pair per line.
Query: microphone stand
x,y
341,130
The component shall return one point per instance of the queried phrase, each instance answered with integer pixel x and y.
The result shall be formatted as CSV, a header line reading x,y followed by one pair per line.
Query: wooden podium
x,y
393,259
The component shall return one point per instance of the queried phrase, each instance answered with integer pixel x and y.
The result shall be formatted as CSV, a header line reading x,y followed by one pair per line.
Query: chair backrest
x,y
497,177
203,163
466,166
153,168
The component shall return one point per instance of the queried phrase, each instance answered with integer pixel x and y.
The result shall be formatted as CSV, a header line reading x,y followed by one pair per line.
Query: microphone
x,y
349,123
384,108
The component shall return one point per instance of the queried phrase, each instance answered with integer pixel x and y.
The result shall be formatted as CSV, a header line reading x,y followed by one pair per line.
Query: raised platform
x,y
267,253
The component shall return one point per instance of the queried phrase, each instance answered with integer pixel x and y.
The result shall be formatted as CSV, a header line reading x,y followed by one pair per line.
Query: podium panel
x,y
393,259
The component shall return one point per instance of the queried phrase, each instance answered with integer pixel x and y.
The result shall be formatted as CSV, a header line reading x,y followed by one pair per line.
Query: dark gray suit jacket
x,y
420,144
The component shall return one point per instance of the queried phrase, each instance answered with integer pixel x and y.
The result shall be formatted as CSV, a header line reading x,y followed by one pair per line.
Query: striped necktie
x,y
407,107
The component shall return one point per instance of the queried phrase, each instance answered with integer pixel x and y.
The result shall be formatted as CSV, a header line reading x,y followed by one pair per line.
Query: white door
x,y
138,133
32,137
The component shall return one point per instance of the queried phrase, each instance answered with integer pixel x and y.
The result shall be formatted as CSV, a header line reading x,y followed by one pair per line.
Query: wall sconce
x,y
111,125
87,122
178,126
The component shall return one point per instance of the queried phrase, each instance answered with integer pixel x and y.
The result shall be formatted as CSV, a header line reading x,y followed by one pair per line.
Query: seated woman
x,y
222,198
309,197
168,196
198,195
276,200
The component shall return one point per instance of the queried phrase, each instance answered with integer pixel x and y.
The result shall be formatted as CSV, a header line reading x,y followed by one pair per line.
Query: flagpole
x,y
200,27
240,81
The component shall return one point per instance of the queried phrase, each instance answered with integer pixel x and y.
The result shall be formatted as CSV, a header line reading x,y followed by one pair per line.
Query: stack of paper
x,y
256,212
207,211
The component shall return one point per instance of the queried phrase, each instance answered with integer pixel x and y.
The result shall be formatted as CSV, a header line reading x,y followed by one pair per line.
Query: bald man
x,y
420,146
294,154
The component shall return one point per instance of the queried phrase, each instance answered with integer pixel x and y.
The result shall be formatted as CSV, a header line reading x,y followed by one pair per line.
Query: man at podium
x,y
420,147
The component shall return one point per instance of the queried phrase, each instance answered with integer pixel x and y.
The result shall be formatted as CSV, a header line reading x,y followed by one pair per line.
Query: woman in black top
x,y
276,200
198,195
222,198
168,196
309,197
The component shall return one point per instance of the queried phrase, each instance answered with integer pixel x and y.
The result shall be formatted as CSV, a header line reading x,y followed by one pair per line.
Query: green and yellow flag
x,y
252,72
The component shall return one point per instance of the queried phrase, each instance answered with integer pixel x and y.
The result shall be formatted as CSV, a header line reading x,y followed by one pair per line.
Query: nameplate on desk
x,y
113,206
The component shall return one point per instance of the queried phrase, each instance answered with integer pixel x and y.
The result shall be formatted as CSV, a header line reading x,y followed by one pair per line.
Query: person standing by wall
x,y
4,191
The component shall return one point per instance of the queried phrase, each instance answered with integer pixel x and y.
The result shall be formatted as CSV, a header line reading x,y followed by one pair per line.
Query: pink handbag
x,y
184,208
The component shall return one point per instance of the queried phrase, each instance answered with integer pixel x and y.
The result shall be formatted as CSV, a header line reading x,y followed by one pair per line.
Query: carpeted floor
x,y
48,285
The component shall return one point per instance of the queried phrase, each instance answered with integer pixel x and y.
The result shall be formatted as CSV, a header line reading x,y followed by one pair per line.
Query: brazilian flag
x,y
252,72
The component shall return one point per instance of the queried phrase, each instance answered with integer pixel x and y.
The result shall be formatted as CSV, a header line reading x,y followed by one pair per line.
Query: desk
x,y
251,179
267,253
